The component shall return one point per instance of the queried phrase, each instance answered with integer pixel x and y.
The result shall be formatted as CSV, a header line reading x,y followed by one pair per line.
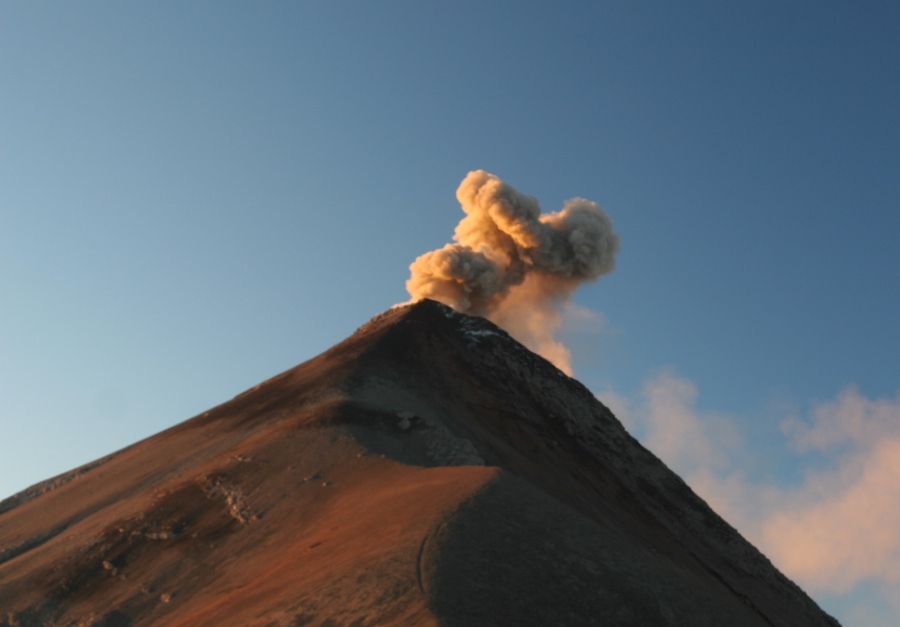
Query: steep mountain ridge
x,y
426,470
583,450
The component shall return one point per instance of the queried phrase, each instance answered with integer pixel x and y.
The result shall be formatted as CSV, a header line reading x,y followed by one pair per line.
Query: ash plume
x,y
514,265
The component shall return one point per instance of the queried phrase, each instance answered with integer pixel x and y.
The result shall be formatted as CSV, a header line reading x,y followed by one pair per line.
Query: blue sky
x,y
196,197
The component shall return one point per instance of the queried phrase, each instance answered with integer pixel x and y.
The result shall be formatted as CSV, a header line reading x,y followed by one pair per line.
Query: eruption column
x,y
514,265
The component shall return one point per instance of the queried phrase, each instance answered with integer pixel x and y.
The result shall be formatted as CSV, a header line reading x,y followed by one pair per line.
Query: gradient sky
x,y
197,196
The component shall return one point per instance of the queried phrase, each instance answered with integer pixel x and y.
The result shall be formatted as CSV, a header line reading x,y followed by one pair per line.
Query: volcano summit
x,y
428,470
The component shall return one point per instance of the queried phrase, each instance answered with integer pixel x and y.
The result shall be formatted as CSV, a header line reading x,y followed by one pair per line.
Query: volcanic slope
x,y
429,470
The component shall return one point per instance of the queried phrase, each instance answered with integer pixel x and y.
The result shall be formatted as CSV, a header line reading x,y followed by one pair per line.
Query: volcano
x,y
428,470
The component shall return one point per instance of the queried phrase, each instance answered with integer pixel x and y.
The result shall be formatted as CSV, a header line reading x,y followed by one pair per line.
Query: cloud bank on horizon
x,y
514,265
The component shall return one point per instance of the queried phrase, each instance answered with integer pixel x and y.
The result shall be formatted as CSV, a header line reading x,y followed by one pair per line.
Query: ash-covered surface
x,y
427,470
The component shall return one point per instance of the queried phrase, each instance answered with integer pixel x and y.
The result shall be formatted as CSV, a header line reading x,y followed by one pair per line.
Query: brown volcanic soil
x,y
426,471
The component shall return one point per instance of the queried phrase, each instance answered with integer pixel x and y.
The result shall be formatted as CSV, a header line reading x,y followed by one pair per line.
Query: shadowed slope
x,y
427,470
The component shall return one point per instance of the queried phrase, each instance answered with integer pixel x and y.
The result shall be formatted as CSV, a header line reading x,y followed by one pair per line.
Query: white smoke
x,y
516,266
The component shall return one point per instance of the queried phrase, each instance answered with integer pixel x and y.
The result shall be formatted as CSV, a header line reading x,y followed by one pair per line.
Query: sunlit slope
x,y
427,470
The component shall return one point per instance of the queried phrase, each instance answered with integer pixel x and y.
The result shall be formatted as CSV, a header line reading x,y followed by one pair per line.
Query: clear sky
x,y
197,196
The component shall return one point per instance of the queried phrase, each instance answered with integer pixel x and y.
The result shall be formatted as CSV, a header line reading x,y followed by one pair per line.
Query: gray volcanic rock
x,y
429,470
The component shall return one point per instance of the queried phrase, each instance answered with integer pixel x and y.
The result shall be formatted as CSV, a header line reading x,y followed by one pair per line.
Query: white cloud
x,y
851,420
835,531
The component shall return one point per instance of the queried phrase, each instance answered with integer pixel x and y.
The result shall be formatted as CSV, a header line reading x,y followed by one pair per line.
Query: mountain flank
x,y
428,470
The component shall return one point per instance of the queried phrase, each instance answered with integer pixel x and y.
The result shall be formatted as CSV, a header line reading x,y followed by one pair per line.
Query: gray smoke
x,y
514,265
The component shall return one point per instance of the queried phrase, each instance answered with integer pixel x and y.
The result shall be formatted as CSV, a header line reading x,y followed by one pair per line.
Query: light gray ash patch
x,y
446,449
418,432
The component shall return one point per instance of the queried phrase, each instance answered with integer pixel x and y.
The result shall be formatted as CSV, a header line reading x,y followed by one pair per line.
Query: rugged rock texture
x,y
429,470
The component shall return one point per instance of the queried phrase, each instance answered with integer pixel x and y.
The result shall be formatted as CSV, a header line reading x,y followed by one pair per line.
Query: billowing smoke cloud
x,y
514,265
